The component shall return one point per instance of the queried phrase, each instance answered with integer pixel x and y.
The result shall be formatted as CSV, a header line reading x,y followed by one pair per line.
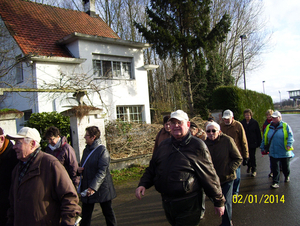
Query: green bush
x,y
237,100
42,121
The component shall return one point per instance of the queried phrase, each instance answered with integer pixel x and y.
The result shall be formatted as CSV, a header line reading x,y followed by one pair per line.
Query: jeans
x,y
227,192
185,212
275,163
237,182
108,212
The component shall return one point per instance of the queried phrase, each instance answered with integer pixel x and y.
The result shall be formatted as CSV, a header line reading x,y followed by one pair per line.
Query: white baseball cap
x,y
179,115
276,114
26,132
227,114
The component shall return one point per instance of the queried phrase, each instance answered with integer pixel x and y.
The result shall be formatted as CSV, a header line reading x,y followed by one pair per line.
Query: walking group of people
x,y
41,188
184,168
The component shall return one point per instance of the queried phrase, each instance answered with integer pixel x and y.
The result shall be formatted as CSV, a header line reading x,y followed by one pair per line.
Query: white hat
x,y
179,115
227,114
276,114
26,132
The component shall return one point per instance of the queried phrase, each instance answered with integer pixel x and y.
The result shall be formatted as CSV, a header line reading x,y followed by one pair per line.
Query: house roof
x,y
37,28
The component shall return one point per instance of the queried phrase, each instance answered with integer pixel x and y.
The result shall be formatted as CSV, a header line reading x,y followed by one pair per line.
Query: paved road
x,y
263,205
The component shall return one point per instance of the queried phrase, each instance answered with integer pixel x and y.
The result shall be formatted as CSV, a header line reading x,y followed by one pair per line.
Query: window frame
x,y
130,113
120,67
19,70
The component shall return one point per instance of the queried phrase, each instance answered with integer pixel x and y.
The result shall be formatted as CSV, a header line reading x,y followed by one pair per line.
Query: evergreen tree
x,y
180,29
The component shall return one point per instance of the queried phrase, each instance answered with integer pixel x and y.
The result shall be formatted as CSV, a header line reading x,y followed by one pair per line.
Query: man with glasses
x,y
41,192
226,159
179,169
235,130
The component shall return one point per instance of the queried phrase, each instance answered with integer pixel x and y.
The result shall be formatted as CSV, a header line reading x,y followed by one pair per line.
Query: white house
x,y
71,50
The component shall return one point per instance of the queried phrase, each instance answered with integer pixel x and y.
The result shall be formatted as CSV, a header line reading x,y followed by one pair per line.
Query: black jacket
x,y
179,169
8,161
96,174
253,133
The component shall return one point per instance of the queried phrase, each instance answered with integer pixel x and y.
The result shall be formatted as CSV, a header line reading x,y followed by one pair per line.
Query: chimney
x,y
89,7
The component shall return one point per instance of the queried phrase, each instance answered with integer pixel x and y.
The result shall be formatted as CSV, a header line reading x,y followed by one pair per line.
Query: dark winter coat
x,y
161,135
253,133
44,196
179,169
96,174
225,156
8,161
66,155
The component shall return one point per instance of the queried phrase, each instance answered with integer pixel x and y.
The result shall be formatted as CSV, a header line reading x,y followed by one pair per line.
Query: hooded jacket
x,y
96,174
179,169
44,196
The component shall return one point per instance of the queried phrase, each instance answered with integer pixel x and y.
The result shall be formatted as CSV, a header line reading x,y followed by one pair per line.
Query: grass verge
x,y
131,173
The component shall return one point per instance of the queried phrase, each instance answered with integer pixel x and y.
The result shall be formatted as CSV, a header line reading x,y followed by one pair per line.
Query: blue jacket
x,y
277,147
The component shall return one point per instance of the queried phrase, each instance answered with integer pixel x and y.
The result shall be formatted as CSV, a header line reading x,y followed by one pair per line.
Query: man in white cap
x,y
235,129
42,192
8,161
179,169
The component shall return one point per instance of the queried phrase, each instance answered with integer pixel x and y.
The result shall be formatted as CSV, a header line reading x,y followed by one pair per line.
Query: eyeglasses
x,y
213,130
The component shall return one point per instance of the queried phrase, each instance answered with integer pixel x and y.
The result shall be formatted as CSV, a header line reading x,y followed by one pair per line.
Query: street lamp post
x,y
263,82
243,37
279,98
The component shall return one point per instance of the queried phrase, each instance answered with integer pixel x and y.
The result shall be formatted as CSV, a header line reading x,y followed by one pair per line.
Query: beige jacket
x,y
237,132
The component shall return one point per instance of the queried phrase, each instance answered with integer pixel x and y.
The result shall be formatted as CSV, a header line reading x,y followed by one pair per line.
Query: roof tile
x,y
37,27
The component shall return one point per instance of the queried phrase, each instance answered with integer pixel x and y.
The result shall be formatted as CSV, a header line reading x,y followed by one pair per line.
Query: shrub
x,y
42,121
237,100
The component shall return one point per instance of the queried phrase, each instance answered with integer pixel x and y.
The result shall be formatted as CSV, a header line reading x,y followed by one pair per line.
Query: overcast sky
x,y
281,66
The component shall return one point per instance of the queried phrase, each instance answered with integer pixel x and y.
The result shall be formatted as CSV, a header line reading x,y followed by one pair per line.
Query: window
x,y
19,69
27,114
130,113
112,67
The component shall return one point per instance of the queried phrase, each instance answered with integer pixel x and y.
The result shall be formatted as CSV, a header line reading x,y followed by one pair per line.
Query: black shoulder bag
x,y
267,147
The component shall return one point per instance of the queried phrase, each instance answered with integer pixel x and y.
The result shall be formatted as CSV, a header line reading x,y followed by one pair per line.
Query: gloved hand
x,y
245,161
263,152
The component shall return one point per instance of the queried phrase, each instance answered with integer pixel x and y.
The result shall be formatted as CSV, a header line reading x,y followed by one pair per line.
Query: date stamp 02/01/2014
x,y
258,199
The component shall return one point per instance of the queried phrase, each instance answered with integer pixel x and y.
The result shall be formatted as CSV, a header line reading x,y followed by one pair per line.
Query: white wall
x,y
120,92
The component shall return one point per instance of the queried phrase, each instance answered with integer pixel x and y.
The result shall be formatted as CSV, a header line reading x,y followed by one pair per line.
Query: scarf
x,y
57,145
5,144
24,166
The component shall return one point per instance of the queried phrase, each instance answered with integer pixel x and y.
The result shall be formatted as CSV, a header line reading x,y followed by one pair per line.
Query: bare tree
x,y
247,19
165,94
